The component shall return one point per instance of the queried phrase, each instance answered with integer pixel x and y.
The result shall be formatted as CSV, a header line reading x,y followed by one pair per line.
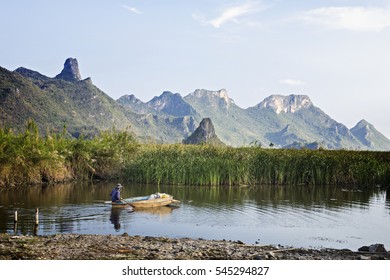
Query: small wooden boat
x,y
126,201
157,202
150,201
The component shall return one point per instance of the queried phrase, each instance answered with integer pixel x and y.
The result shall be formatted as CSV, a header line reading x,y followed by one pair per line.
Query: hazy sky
x,y
337,52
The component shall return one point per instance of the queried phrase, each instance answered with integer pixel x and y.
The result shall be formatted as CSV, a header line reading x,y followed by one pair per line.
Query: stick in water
x,y
36,217
16,222
36,222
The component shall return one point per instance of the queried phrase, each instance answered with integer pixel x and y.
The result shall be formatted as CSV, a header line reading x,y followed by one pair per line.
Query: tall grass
x,y
188,165
206,165
28,158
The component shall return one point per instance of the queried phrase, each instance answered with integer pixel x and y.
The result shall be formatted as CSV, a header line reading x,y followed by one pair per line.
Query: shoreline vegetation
x,y
30,158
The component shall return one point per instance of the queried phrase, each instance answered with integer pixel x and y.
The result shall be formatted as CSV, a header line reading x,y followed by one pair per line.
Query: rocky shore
x,y
124,247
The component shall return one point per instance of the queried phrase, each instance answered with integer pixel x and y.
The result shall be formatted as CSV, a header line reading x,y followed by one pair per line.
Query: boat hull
x,y
150,203
119,205
146,201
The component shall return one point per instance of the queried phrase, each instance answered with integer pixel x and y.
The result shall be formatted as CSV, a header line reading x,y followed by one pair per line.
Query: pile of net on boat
x,y
158,195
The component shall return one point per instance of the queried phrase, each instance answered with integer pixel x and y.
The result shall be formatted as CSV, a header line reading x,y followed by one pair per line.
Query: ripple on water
x,y
345,220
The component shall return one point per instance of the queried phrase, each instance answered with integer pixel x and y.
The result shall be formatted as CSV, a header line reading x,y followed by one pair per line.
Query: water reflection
x,y
158,211
299,216
114,218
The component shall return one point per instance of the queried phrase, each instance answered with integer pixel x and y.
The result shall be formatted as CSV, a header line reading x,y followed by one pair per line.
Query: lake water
x,y
290,216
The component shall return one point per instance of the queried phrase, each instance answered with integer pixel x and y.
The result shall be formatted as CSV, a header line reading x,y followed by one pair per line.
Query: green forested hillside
x,y
67,100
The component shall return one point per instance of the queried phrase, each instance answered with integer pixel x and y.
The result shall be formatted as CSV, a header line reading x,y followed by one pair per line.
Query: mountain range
x,y
291,121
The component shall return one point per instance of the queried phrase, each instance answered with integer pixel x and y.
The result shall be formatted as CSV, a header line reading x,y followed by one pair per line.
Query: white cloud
x,y
349,18
132,9
292,82
231,14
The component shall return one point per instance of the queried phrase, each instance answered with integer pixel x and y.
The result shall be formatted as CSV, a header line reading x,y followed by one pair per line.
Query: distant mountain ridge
x,y
285,121
291,121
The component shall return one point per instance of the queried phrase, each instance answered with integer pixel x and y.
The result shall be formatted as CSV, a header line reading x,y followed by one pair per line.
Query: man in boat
x,y
116,194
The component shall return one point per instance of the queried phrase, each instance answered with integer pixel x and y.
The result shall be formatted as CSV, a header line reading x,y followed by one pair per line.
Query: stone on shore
x,y
374,248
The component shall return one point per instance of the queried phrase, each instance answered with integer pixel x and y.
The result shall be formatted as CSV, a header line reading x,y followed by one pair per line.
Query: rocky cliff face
x,y
216,99
172,104
286,104
204,134
71,71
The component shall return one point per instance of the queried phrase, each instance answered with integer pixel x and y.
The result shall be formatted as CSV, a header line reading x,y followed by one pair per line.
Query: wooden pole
x,y
16,222
36,217
36,222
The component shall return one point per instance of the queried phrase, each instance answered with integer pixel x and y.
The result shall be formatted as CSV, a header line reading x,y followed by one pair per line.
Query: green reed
x,y
30,158
208,165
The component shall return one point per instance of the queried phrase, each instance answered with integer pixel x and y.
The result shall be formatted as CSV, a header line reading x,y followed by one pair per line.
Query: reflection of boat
x,y
154,200
159,211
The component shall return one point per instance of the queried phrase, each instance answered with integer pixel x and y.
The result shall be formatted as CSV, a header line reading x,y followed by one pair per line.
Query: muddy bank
x,y
109,247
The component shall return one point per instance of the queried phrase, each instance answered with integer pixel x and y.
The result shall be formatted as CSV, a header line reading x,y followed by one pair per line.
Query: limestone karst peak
x,y
71,71
204,134
286,104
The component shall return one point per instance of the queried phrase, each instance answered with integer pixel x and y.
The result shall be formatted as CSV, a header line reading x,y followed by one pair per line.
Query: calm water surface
x,y
290,216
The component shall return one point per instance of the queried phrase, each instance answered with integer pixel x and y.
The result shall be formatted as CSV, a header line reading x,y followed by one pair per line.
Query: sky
x,y
336,52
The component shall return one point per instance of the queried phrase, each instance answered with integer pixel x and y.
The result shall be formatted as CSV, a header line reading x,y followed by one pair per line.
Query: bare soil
x,y
124,247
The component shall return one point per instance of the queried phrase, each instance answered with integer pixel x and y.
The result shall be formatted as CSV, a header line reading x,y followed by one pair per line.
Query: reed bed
x,y
28,158
208,165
